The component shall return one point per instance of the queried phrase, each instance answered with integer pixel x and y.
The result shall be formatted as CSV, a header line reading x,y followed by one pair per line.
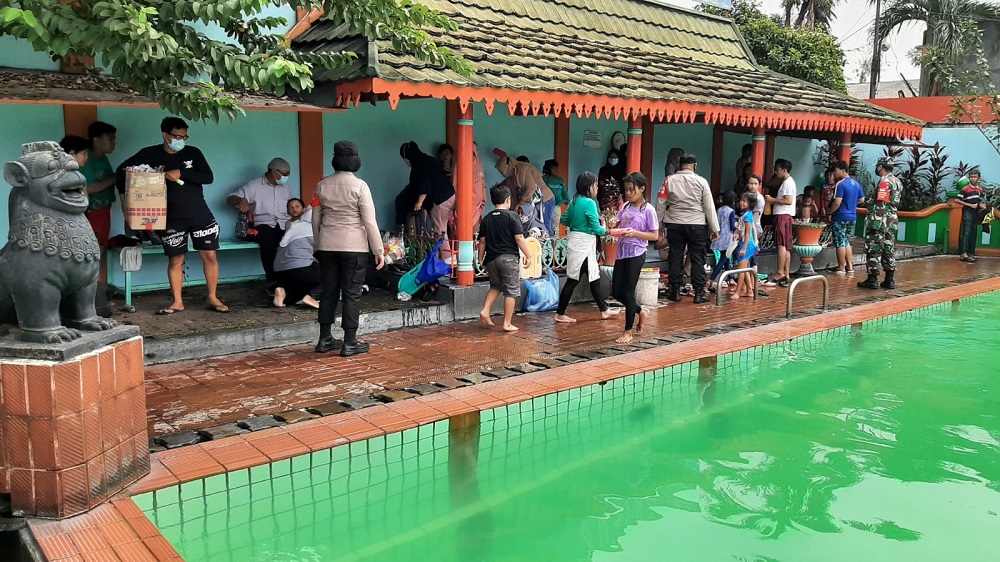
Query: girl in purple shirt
x,y
637,226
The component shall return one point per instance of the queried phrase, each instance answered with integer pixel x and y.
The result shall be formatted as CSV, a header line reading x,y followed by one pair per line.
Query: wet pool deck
x,y
202,394
119,530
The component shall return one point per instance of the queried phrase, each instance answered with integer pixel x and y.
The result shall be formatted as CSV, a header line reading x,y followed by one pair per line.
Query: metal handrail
x,y
791,292
731,272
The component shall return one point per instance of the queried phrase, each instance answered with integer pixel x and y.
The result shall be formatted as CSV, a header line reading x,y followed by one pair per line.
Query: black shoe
x,y
354,348
890,282
870,283
700,297
328,344
674,293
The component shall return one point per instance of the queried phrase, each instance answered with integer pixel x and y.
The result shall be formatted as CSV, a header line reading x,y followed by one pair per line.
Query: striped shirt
x,y
971,195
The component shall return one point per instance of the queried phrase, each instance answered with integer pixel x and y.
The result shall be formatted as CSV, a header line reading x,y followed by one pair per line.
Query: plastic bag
x,y
244,227
434,267
543,294
394,248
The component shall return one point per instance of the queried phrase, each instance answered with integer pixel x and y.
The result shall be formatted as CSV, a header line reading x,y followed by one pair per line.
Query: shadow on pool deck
x,y
202,394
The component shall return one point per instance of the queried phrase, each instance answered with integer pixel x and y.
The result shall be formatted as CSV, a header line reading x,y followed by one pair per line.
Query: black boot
x,y
701,297
355,347
870,283
674,293
328,344
890,282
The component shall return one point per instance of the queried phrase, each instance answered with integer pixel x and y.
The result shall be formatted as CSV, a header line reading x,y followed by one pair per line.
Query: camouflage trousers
x,y
880,246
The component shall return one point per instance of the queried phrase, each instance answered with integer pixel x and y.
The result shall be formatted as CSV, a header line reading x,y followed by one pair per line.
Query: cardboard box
x,y
146,200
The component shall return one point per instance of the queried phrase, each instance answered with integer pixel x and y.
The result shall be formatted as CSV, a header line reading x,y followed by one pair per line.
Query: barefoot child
x,y
728,222
637,226
747,248
500,238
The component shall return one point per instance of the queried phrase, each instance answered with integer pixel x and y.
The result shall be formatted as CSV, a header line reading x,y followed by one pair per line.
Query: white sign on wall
x,y
592,139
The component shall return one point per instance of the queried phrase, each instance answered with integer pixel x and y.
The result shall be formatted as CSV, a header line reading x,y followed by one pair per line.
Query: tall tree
x,y
945,43
813,56
152,46
815,14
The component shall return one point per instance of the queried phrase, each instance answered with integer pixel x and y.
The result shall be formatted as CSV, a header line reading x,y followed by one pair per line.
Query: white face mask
x,y
613,161
177,144
282,180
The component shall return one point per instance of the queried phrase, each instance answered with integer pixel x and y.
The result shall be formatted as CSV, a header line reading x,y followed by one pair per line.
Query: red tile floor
x,y
209,392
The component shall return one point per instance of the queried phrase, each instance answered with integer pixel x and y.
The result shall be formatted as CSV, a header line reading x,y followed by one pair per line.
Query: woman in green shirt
x,y
584,222
550,173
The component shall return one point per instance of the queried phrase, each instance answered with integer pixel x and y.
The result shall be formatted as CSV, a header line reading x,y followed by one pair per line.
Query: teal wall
x,y
693,138
21,124
15,53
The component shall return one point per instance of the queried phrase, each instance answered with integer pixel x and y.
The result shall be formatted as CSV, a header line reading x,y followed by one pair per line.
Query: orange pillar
x,y
560,151
768,158
648,138
845,148
452,114
759,157
311,153
634,157
463,195
717,139
77,117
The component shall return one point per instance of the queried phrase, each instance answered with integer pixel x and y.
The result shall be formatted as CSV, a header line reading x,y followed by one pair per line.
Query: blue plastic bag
x,y
543,294
434,267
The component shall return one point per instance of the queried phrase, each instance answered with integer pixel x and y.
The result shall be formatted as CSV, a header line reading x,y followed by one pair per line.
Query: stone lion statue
x,y
50,264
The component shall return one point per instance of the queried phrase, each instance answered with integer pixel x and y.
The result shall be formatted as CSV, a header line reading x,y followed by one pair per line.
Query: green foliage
x,y
152,47
810,55
923,171
975,95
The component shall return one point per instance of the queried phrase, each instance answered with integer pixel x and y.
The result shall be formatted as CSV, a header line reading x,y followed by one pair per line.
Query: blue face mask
x,y
176,145
282,180
613,161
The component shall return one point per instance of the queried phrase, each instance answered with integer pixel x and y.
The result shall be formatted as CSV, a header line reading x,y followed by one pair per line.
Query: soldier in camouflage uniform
x,y
881,227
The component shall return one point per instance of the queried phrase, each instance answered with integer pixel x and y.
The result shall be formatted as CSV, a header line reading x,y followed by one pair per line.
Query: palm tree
x,y
815,14
947,24
788,6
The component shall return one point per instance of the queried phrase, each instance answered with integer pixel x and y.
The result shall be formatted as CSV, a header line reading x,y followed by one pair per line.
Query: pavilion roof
x,y
604,57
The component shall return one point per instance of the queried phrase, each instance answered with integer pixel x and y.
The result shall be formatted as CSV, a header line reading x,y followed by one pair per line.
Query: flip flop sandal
x,y
965,259
783,282
973,259
221,308
168,311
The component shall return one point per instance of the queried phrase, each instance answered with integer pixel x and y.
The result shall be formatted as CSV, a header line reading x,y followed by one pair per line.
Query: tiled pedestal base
x,y
72,433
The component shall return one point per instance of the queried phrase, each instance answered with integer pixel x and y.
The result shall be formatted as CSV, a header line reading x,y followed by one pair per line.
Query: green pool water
x,y
878,444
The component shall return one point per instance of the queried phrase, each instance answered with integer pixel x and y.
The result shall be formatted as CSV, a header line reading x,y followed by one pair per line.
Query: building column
x,y
634,157
463,195
844,154
768,158
311,153
718,136
759,156
648,146
560,151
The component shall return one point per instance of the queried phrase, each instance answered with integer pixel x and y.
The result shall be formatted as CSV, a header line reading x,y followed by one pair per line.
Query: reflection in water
x,y
473,534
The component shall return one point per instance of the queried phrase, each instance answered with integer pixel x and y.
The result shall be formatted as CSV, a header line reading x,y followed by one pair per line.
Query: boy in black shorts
x,y
188,215
500,238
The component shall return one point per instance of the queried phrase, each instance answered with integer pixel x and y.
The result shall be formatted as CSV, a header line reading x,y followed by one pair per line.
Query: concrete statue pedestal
x,y
73,430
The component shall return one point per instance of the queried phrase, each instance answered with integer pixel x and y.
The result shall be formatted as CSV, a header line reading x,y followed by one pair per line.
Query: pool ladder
x,y
730,273
791,292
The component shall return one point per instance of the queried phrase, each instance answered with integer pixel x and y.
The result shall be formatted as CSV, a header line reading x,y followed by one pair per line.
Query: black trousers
x,y
694,238
299,282
570,286
624,278
341,273
268,238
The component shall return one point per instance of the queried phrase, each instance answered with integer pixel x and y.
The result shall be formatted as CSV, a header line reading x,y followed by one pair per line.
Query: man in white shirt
x,y
267,198
783,209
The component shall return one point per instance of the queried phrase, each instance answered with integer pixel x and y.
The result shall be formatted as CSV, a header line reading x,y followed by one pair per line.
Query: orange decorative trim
x,y
306,19
311,152
584,105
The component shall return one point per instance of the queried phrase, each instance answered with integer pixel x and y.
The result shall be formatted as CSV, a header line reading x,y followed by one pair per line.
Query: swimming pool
x,y
878,443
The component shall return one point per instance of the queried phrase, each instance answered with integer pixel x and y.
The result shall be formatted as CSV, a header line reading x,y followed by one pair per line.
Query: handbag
x,y
433,267
661,240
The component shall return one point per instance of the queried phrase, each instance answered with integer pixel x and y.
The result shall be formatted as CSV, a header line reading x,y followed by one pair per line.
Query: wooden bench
x,y
114,262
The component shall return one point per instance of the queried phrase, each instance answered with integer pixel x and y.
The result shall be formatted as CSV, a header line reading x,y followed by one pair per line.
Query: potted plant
x,y
807,235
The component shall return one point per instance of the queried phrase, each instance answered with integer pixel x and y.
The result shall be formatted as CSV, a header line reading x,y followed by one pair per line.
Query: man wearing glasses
x,y
185,171
267,198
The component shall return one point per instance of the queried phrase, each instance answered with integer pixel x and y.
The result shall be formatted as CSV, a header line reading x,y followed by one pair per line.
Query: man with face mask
x,y
267,197
185,171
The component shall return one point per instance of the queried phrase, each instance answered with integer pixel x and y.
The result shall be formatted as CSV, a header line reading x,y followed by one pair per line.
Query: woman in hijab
x,y
614,168
295,268
434,189
673,161
346,233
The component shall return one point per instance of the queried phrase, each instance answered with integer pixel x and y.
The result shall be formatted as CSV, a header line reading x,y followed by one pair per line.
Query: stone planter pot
x,y
610,251
807,247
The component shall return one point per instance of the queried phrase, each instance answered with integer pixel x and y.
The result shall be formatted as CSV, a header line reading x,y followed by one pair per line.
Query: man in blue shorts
x,y
843,210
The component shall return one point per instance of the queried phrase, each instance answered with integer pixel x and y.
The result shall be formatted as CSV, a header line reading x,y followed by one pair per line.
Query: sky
x,y
852,28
